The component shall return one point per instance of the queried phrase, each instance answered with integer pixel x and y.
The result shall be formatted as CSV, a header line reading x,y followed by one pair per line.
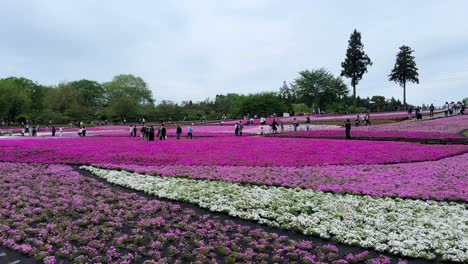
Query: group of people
x,y
82,132
238,128
418,112
454,109
149,133
365,119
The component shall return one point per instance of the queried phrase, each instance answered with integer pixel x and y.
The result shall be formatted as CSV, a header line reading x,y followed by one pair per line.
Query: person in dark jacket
x,y
162,135
348,129
178,131
53,131
274,126
151,134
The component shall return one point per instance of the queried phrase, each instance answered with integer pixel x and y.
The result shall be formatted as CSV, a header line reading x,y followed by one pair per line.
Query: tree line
x,y
128,98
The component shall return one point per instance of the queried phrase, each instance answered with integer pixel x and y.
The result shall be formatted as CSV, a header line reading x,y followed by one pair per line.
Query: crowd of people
x,y
150,133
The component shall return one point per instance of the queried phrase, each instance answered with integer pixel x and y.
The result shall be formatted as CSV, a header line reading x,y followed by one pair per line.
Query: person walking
x,y
151,134
367,119
274,126
162,136
53,131
131,131
240,128
236,129
60,131
190,131
348,129
80,132
178,131
84,131
410,112
295,124
357,120
431,110
308,123
134,131
143,133
446,109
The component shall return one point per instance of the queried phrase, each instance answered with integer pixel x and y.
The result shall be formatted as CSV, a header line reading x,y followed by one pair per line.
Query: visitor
x,y
348,129
53,131
446,109
84,131
308,123
178,131
431,110
162,136
295,124
410,112
60,131
367,119
80,132
451,106
143,121
22,132
458,108
236,129
282,127
274,126
189,131
143,133
462,109
358,120
418,113
151,134
131,131
34,131
261,131
240,128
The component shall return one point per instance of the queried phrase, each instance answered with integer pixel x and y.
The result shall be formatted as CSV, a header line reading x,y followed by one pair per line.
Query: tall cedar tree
x,y
405,69
356,61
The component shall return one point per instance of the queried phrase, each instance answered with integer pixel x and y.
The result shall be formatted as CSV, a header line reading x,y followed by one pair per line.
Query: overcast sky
x,y
196,49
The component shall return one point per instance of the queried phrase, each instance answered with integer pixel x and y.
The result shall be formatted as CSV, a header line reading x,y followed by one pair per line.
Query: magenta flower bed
x,y
235,151
440,128
445,179
359,133
55,214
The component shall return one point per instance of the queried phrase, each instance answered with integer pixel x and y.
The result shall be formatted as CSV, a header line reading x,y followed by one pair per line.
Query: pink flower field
x,y
445,179
222,151
440,128
56,213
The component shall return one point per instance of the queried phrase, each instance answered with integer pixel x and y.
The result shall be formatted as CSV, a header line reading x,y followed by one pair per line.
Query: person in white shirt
x,y
61,131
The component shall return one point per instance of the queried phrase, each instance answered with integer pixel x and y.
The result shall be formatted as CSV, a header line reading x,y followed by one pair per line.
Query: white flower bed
x,y
414,228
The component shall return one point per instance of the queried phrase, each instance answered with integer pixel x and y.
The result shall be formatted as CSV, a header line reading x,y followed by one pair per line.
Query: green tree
x,y
91,93
15,99
318,88
378,102
405,69
128,97
263,104
286,95
356,61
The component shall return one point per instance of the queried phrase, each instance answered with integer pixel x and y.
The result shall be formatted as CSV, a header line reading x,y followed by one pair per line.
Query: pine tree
x,y
405,69
356,61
